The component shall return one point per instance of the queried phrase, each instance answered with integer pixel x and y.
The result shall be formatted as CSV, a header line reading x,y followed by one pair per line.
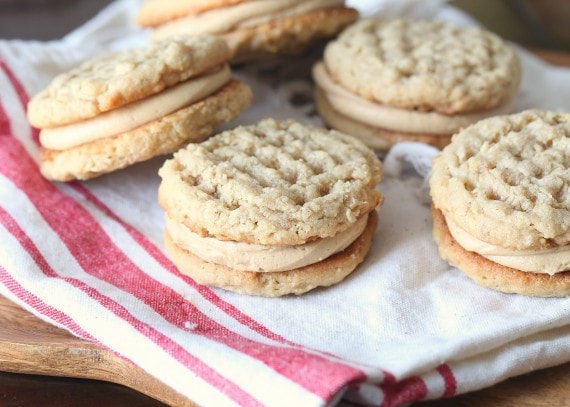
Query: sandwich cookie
x,y
270,209
501,203
129,106
413,80
252,28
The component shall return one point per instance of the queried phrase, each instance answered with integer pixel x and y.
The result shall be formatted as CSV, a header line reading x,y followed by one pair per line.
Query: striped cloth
x,y
88,257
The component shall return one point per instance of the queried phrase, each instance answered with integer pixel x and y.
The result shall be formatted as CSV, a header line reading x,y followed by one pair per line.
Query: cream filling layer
x,y
135,114
550,261
262,258
391,118
242,15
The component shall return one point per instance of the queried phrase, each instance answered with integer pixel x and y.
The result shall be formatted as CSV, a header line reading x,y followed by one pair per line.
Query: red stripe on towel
x,y
21,93
81,234
201,369
449,380
207,293
30,299
36,303
397,393
157,254
99,256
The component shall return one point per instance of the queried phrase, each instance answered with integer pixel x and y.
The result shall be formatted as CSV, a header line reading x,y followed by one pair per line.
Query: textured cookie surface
x,y
495,276
274,284
424,65
290,35
271,183
163,136
113,80
506,180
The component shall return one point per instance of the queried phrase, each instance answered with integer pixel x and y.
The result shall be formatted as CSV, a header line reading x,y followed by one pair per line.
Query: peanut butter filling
x,y
262,258
391,118
135,114
549,261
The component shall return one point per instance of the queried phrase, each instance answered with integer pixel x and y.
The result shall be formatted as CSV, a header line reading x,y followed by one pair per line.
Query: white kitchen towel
x,y
405,326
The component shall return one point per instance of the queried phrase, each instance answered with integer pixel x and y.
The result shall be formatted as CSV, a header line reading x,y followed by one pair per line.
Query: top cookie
x,y
505,180
114,80
274,183
424,65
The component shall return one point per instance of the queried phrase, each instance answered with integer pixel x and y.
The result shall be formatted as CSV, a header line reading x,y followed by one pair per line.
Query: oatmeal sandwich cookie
x,y
252,28
501,203
413,80
129,106
270,209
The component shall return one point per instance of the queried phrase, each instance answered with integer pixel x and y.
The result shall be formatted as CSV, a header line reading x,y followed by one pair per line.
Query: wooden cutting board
x,y
30,345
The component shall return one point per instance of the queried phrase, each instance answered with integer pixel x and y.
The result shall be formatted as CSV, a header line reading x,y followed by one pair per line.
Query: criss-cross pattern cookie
x,y
406,79
500,197
275,197
252,28
126,107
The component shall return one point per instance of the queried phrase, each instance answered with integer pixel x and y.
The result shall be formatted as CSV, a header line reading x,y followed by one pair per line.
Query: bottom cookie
x,y
275,284
375,137
492,275
162,136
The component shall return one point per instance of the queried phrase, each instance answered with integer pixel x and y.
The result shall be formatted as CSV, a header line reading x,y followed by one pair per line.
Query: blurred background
x,y
532,23
45,19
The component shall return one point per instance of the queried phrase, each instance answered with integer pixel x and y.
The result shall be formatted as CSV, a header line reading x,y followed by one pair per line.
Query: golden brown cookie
x,y
274,197
501,188
328,272
410,77
289,35
493,275
127,107
158,137
253,29
110,81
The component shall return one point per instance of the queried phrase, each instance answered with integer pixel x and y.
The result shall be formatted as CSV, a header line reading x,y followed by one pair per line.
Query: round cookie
x,y
119,78
275,188
127,107
501,190
273,183
252,29
410,77
158,137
